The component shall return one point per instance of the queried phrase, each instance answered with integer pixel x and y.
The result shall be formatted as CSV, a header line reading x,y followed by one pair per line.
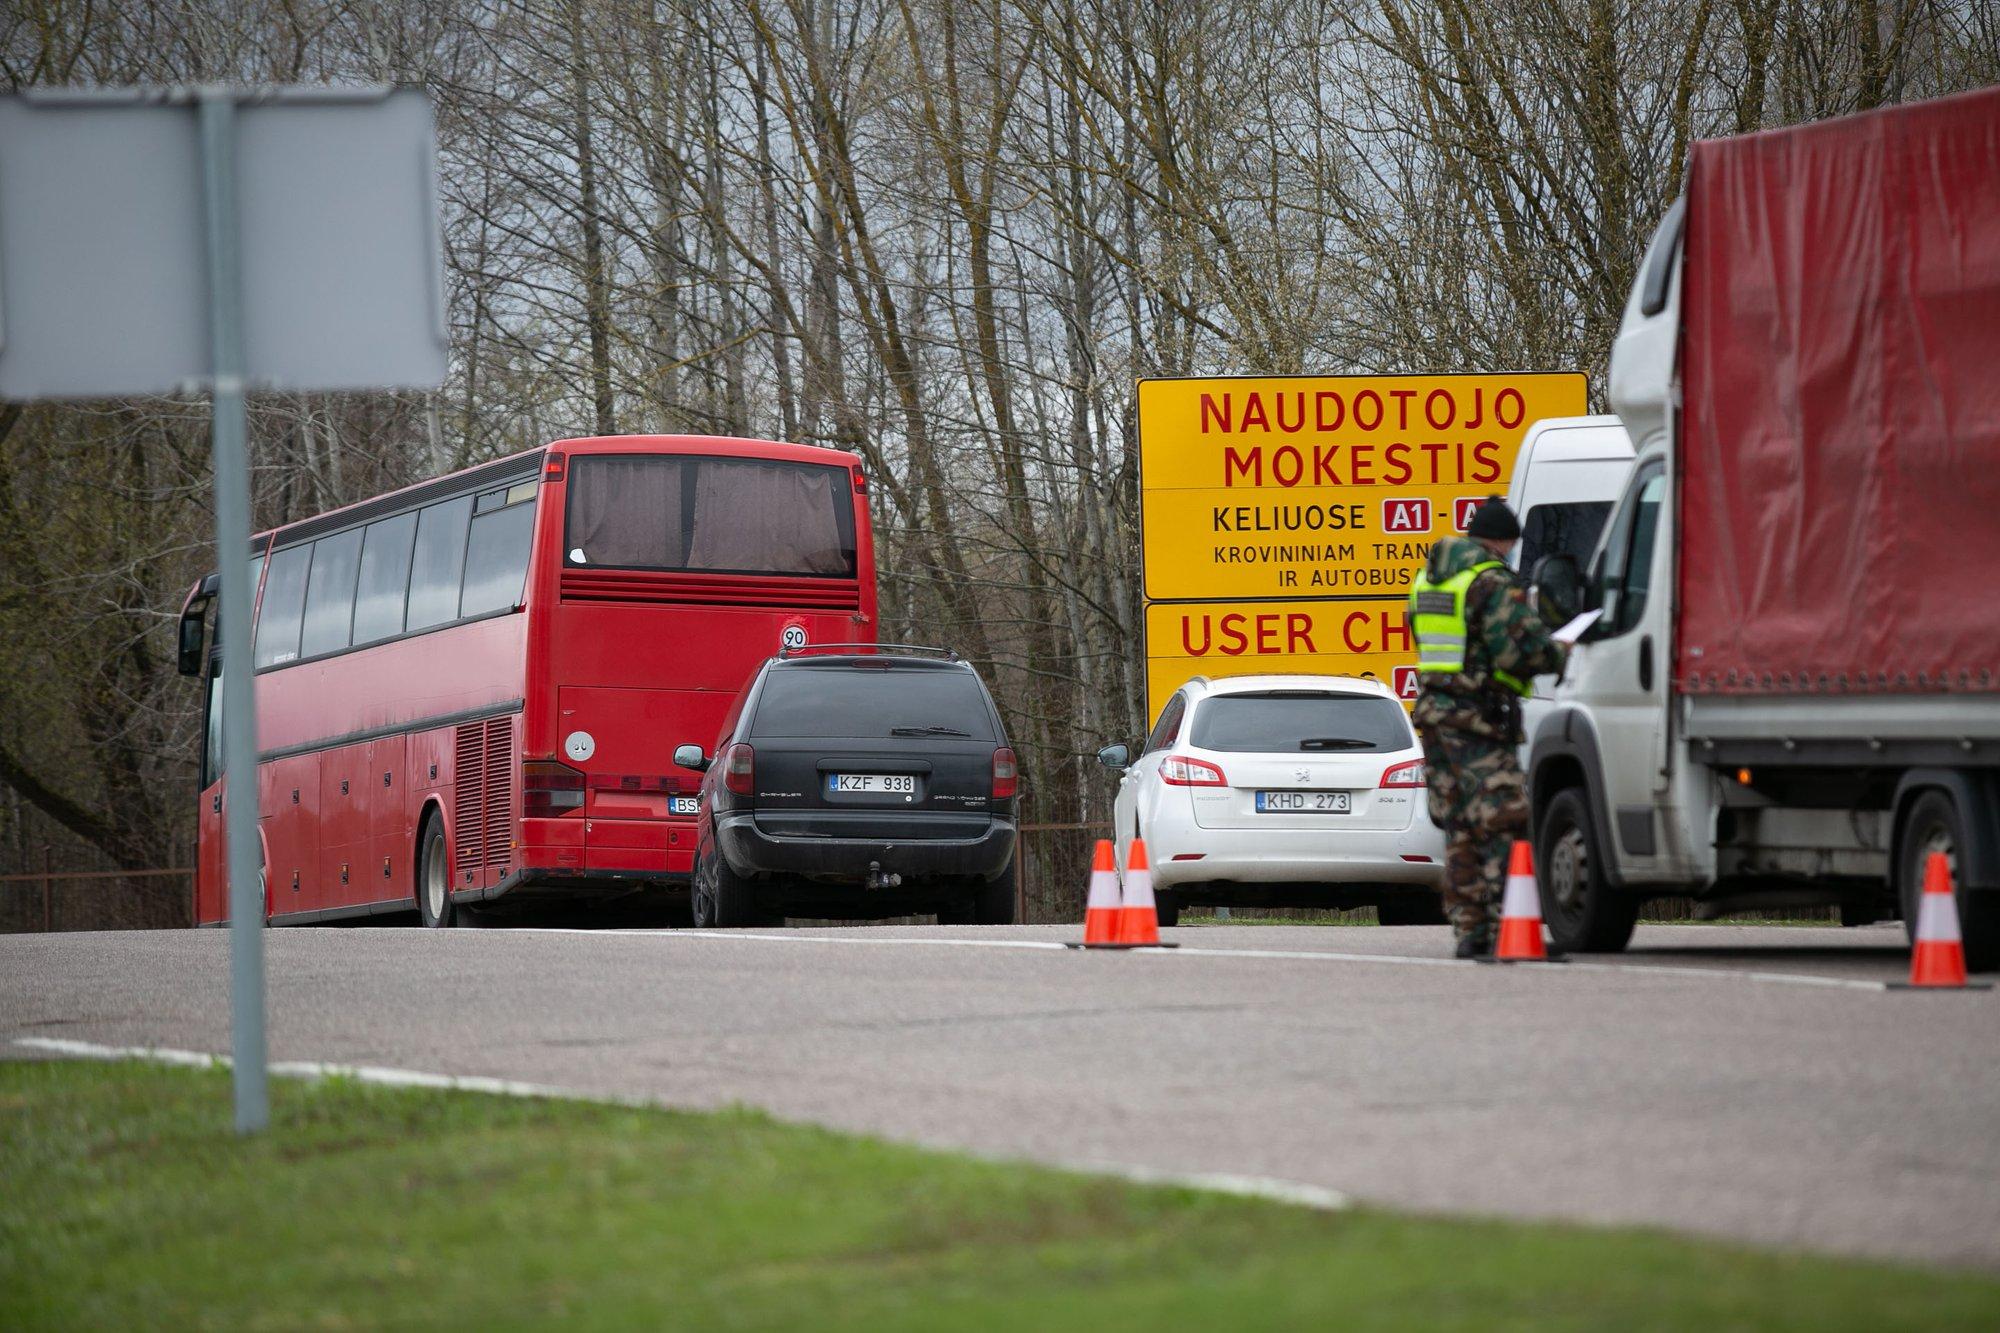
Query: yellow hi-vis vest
x,y
1437,617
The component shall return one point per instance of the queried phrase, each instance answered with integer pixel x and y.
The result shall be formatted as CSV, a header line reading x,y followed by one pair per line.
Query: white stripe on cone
x,y
1937,919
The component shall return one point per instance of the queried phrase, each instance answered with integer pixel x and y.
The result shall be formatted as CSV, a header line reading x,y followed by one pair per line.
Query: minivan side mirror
x,y
690,756
1117,757
192,634
1560,589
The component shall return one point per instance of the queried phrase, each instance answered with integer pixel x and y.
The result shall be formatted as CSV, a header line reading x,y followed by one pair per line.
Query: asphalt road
x,y
1751,1082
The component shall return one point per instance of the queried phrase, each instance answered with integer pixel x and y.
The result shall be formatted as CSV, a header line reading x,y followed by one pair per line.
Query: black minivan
x,y
857,784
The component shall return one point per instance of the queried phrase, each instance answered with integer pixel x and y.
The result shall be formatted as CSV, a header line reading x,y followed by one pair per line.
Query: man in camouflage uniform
x,y
1479,646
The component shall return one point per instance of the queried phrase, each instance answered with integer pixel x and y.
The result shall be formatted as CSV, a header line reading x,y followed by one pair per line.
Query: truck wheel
x,y
1584,913
1933,825
434,876
723,899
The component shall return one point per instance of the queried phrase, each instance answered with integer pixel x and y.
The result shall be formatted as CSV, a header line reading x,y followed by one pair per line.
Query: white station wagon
x,y
1282,791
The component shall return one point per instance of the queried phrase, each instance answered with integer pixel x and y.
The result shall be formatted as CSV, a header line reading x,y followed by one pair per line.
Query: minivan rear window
x,y
1292,721
858,702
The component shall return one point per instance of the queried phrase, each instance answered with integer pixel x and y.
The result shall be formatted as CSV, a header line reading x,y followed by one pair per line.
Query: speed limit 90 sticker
x,y
794,637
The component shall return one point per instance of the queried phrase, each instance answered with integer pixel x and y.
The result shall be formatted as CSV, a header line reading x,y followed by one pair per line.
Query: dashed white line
x,y
1201,951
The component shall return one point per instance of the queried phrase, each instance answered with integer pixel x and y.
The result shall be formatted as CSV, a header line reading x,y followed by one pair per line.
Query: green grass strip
x,y
125,1202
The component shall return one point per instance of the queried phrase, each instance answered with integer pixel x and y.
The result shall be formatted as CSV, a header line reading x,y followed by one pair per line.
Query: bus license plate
x,y
684,805
1303,802
895,784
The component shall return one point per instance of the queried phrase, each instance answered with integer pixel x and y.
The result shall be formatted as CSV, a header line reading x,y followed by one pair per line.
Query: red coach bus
x,y
469,691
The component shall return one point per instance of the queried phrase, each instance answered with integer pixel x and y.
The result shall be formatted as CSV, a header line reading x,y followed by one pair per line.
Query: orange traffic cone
x,y
1521,911
1100,918
1139,917
1937,960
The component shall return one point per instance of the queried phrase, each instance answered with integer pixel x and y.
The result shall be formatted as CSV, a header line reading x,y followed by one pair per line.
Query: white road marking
x,y
1294,1192
1201,951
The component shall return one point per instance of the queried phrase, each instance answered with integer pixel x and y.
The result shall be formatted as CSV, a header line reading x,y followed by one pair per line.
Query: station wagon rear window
x,y
1301,721
710,515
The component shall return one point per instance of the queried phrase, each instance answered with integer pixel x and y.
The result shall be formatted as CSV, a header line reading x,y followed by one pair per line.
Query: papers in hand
x,y
1573,631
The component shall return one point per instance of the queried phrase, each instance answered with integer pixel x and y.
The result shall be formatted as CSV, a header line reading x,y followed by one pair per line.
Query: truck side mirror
x,y
690,756
191,644
1115,757
1560,590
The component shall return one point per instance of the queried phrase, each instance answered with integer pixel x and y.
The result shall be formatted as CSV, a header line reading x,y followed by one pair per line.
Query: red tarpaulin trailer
x,y
1840,449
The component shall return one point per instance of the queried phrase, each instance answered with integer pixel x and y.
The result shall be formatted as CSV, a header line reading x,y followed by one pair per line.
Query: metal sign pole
x,y
217,110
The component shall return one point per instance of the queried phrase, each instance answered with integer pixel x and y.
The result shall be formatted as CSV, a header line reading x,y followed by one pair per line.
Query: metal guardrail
x,y
48,877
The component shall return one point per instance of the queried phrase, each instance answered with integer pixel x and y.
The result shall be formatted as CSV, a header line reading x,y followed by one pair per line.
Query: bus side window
x,y
329,619
211,747
496,559
284,607
439,563
384,584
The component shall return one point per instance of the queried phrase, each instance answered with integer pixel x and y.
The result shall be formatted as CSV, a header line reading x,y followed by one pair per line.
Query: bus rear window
x,y
710,515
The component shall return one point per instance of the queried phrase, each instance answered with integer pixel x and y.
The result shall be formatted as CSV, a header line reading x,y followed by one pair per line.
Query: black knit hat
x,y
1494,520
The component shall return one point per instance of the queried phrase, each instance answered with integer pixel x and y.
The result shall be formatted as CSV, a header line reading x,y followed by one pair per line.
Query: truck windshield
x,y
1562,529
710,515
1291,721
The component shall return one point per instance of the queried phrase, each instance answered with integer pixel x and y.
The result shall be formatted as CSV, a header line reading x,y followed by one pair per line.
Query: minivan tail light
x,y
1410,774
1006,774
549,789
1180,771
739,769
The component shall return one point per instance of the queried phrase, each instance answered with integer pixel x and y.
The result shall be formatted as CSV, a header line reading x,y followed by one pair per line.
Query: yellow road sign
x,y
1217,639
1315,486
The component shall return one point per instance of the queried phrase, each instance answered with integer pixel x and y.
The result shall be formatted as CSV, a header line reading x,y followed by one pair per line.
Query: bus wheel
x,y
723,899
434,876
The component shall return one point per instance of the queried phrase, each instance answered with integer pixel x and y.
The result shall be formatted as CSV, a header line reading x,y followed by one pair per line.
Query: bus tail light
x,y
1177,770
549,789
739,769
1006,774
1410,774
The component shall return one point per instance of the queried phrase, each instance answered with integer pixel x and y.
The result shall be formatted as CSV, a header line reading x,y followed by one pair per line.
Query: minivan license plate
x,y
684,805
1303,802
897,784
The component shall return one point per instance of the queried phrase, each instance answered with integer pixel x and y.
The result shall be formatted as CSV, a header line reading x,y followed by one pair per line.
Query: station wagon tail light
x,y
549,789
1178,770
1006,774
739,769
1404,775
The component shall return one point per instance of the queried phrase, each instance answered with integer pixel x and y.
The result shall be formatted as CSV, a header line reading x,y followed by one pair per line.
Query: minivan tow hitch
x,y
878,880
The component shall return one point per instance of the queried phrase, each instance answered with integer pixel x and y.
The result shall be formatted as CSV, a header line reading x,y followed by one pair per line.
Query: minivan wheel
x,y
993,904
723,899
1167,906
1584,913
434,876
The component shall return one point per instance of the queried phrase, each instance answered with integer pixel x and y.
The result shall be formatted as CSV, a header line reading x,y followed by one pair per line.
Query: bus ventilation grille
x,y
661,587
484,791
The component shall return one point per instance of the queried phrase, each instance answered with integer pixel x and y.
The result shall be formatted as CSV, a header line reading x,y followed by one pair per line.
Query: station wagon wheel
x,y
434,876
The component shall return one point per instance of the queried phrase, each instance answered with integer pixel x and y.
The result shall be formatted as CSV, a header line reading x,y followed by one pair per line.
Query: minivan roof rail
x,y
950,654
